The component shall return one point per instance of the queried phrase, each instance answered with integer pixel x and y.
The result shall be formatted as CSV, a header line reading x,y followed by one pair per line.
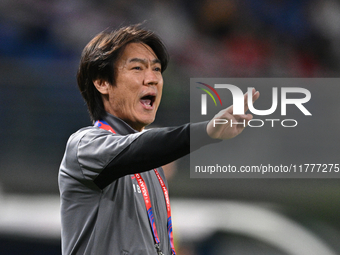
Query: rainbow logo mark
x,y
204,97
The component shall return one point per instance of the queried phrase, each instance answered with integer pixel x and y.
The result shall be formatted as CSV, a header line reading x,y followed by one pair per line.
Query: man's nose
x,y
150,78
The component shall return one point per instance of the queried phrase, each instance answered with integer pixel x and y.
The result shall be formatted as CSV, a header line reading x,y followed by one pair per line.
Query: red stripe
x,y
104,125
168,208
218,96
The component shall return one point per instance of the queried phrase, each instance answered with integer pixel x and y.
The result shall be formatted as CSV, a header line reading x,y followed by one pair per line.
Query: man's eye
x,y
158,69
137,68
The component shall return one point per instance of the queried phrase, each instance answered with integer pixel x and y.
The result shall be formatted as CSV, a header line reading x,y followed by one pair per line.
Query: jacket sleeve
x,y
105,158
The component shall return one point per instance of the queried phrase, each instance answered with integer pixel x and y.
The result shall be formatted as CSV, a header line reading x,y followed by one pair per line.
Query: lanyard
x,y
104,125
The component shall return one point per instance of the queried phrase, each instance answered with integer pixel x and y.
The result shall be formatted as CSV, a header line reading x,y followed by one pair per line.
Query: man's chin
x,y
141,124
149,122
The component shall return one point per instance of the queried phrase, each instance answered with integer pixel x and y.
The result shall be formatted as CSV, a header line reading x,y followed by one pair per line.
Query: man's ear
x,y
102,86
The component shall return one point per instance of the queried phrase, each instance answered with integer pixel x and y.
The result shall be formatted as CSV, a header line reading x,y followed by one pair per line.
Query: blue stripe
x,y
152,223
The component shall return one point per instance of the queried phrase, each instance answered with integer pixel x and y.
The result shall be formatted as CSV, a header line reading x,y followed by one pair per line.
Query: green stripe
x,y
209,94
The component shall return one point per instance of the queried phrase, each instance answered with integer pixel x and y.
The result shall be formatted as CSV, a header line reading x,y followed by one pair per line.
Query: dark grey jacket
x,y
102,208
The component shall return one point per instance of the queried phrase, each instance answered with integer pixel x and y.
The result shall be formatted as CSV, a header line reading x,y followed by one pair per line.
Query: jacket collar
x,y
118,125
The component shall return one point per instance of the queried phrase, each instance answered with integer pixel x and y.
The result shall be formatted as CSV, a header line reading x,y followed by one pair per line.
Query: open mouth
x,y
148,100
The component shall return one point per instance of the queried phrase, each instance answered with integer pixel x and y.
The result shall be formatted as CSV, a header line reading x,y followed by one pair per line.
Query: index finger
x,y
255,96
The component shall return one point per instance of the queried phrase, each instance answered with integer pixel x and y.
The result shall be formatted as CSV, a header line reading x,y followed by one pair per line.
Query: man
x,y
114,197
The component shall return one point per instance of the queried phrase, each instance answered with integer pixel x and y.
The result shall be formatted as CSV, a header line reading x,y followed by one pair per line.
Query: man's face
x,y
137,93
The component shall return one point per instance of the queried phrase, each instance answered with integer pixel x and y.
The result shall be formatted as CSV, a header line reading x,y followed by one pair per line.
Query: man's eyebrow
x,y
156,61
144,61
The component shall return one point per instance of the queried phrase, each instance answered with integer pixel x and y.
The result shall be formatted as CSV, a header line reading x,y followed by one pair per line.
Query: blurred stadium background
x,y
40,46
